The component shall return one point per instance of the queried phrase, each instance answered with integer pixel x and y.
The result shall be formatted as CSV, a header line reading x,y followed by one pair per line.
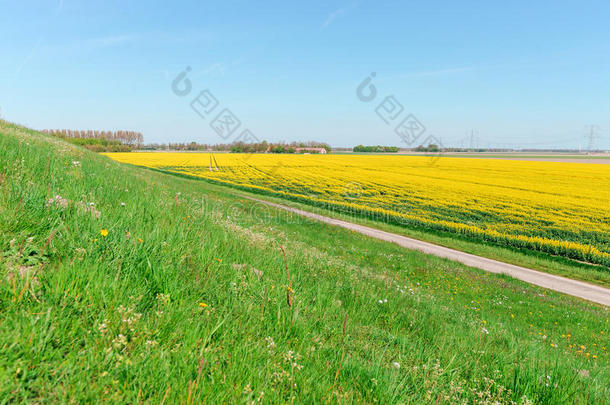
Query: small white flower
x,y
270,342
122,204
485,331
396,365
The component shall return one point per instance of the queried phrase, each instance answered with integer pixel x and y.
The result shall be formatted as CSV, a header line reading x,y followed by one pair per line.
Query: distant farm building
x,y
310,150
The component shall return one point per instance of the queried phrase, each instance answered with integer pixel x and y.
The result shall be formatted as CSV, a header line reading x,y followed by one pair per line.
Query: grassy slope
x,y
85,317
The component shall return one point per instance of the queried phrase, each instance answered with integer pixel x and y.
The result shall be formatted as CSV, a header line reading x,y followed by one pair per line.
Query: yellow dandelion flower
x,y
203,304
104,232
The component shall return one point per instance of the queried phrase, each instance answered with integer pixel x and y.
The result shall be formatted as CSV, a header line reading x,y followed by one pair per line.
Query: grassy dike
x,y
124,285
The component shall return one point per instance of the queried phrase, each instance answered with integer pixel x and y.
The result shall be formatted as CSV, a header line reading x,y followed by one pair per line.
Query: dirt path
x,y
564,285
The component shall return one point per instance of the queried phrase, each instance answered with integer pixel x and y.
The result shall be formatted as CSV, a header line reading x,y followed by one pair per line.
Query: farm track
x,y
563,285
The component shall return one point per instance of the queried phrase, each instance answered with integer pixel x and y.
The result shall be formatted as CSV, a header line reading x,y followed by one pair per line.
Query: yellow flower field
x,y
559,208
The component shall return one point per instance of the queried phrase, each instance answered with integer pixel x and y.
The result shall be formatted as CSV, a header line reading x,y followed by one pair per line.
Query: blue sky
x,y
521,74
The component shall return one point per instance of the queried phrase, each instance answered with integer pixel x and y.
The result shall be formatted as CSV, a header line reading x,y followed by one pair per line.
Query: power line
x,y
591,136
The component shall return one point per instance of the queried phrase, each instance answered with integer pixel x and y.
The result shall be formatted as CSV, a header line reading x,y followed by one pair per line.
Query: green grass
x,y
92,318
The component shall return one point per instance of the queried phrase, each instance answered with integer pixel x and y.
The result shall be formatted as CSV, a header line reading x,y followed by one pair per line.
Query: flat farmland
x,y
558,208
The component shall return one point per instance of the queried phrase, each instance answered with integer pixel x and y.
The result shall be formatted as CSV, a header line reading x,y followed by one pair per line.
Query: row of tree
x,y
133,138
239,147
281,147
375,148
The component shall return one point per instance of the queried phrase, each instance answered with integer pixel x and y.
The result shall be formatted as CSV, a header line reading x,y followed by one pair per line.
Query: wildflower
x,y
270,342
140,240
203,304
58,201
104,232
163,299
291,358
119,341
76,163
485,331
122,204
396,365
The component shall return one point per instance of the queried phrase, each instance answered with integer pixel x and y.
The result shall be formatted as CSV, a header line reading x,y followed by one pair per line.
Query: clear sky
x,y
529,74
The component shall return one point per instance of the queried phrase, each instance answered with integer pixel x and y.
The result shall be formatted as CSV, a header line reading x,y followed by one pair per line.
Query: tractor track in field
x,y
580,289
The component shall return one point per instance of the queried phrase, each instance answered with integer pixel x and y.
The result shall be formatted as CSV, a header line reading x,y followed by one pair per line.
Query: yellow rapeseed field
x,y
559,208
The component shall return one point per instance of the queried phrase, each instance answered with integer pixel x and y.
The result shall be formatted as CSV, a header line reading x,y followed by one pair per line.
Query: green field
x,y
120,284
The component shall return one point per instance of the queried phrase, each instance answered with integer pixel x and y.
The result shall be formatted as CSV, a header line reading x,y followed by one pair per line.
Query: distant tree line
x,y
187,146
125,141
239,147
280,147
100,141
125,137
430,148
375,149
